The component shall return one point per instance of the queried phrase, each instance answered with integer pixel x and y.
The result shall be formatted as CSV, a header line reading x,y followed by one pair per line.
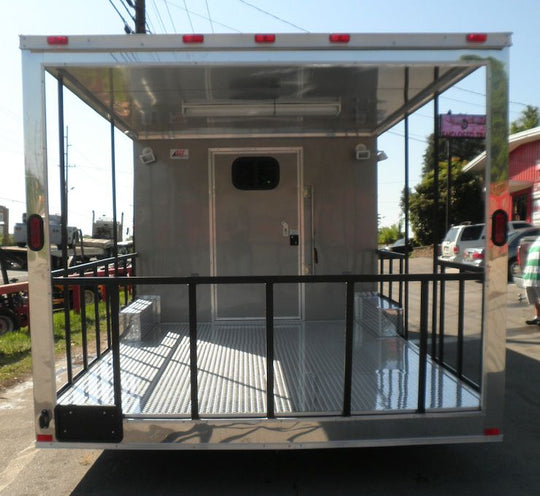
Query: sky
x,y
88,138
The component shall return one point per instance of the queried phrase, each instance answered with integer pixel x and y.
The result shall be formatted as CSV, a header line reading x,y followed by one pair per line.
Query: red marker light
x,y
265,38
477,37
492,431
57,40
340,38
193,38
44,438
35,232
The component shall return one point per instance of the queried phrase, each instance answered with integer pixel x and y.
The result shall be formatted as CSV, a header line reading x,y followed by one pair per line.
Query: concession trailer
x,y
256,311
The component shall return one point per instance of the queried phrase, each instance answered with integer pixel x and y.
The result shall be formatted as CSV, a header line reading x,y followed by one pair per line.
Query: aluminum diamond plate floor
x,y
309,369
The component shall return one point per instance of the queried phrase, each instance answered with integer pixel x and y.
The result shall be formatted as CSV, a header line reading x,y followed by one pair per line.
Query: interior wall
x,y
171,224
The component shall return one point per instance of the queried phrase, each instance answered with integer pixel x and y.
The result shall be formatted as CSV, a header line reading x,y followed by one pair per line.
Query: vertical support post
x,y
113,180
115,342
448,182
63,226
349,331
63,184
406,206
270,408
436,198
422,368
192,291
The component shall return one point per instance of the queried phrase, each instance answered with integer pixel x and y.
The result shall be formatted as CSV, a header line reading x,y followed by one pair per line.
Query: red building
x,y
523,174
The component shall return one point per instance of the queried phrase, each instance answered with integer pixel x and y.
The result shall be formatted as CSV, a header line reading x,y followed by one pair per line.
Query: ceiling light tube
x,y
261,109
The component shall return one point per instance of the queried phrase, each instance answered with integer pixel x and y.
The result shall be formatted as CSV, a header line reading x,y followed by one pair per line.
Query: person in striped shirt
x,y
531,280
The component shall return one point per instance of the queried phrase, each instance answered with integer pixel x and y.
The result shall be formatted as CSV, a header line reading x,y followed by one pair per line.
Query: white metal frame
x,y
109,51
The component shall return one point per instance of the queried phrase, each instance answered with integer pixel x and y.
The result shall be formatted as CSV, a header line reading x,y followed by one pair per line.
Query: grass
x,y
15,347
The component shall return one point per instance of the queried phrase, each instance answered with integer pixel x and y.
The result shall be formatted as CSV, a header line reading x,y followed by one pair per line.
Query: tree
x,y
388,234
464,149
529,118
466,201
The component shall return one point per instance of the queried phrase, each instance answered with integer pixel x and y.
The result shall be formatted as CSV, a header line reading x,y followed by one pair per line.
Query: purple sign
x,y
463,126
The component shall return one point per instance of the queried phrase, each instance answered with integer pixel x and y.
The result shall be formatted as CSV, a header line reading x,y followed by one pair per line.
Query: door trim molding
x,y
276,150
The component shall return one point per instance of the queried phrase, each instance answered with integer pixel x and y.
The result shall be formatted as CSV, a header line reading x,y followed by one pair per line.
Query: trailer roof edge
x,y
283,41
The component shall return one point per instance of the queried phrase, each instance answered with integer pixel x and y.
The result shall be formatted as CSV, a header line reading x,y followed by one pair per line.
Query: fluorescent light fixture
x,y
261,109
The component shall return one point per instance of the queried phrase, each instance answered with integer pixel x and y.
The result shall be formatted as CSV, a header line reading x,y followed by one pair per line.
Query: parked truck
x,y
257,314
55,232
102,242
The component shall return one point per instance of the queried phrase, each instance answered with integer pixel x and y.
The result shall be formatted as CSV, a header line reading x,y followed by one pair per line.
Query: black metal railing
x,y
76,297
391,263
113,285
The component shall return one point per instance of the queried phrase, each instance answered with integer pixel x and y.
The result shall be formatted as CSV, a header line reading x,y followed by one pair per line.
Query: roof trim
x,y
514,141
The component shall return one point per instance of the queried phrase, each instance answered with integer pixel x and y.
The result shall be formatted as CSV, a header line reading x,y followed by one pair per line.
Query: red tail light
x,y
499,227
35,232
456,249
478,255
492,431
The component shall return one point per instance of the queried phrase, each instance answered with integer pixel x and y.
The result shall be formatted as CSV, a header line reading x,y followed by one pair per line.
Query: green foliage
x,y
15,359
466,202
529,118
388,234
462,149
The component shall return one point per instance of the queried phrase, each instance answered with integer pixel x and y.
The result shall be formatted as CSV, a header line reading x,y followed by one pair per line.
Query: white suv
x,y
463,236
459,238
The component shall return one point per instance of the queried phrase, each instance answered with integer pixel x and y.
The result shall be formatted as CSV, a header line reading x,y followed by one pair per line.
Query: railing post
x,y
270,350
390,282
349,331
192,289
461,307
422,368
67,325
442,316
115,342
84,329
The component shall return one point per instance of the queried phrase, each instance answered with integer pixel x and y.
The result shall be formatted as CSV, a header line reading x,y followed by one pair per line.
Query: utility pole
x,y
140,17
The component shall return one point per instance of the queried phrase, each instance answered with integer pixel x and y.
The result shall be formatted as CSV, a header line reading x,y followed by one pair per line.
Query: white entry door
x,y
256,228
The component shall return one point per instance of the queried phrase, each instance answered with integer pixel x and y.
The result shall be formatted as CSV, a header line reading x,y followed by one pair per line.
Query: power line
x,y
127,29
209,16
272,15
189,17
159,16
170,17
484,95
201,16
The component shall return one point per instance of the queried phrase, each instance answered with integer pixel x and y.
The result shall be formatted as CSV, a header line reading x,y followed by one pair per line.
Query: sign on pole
x,y
463,126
